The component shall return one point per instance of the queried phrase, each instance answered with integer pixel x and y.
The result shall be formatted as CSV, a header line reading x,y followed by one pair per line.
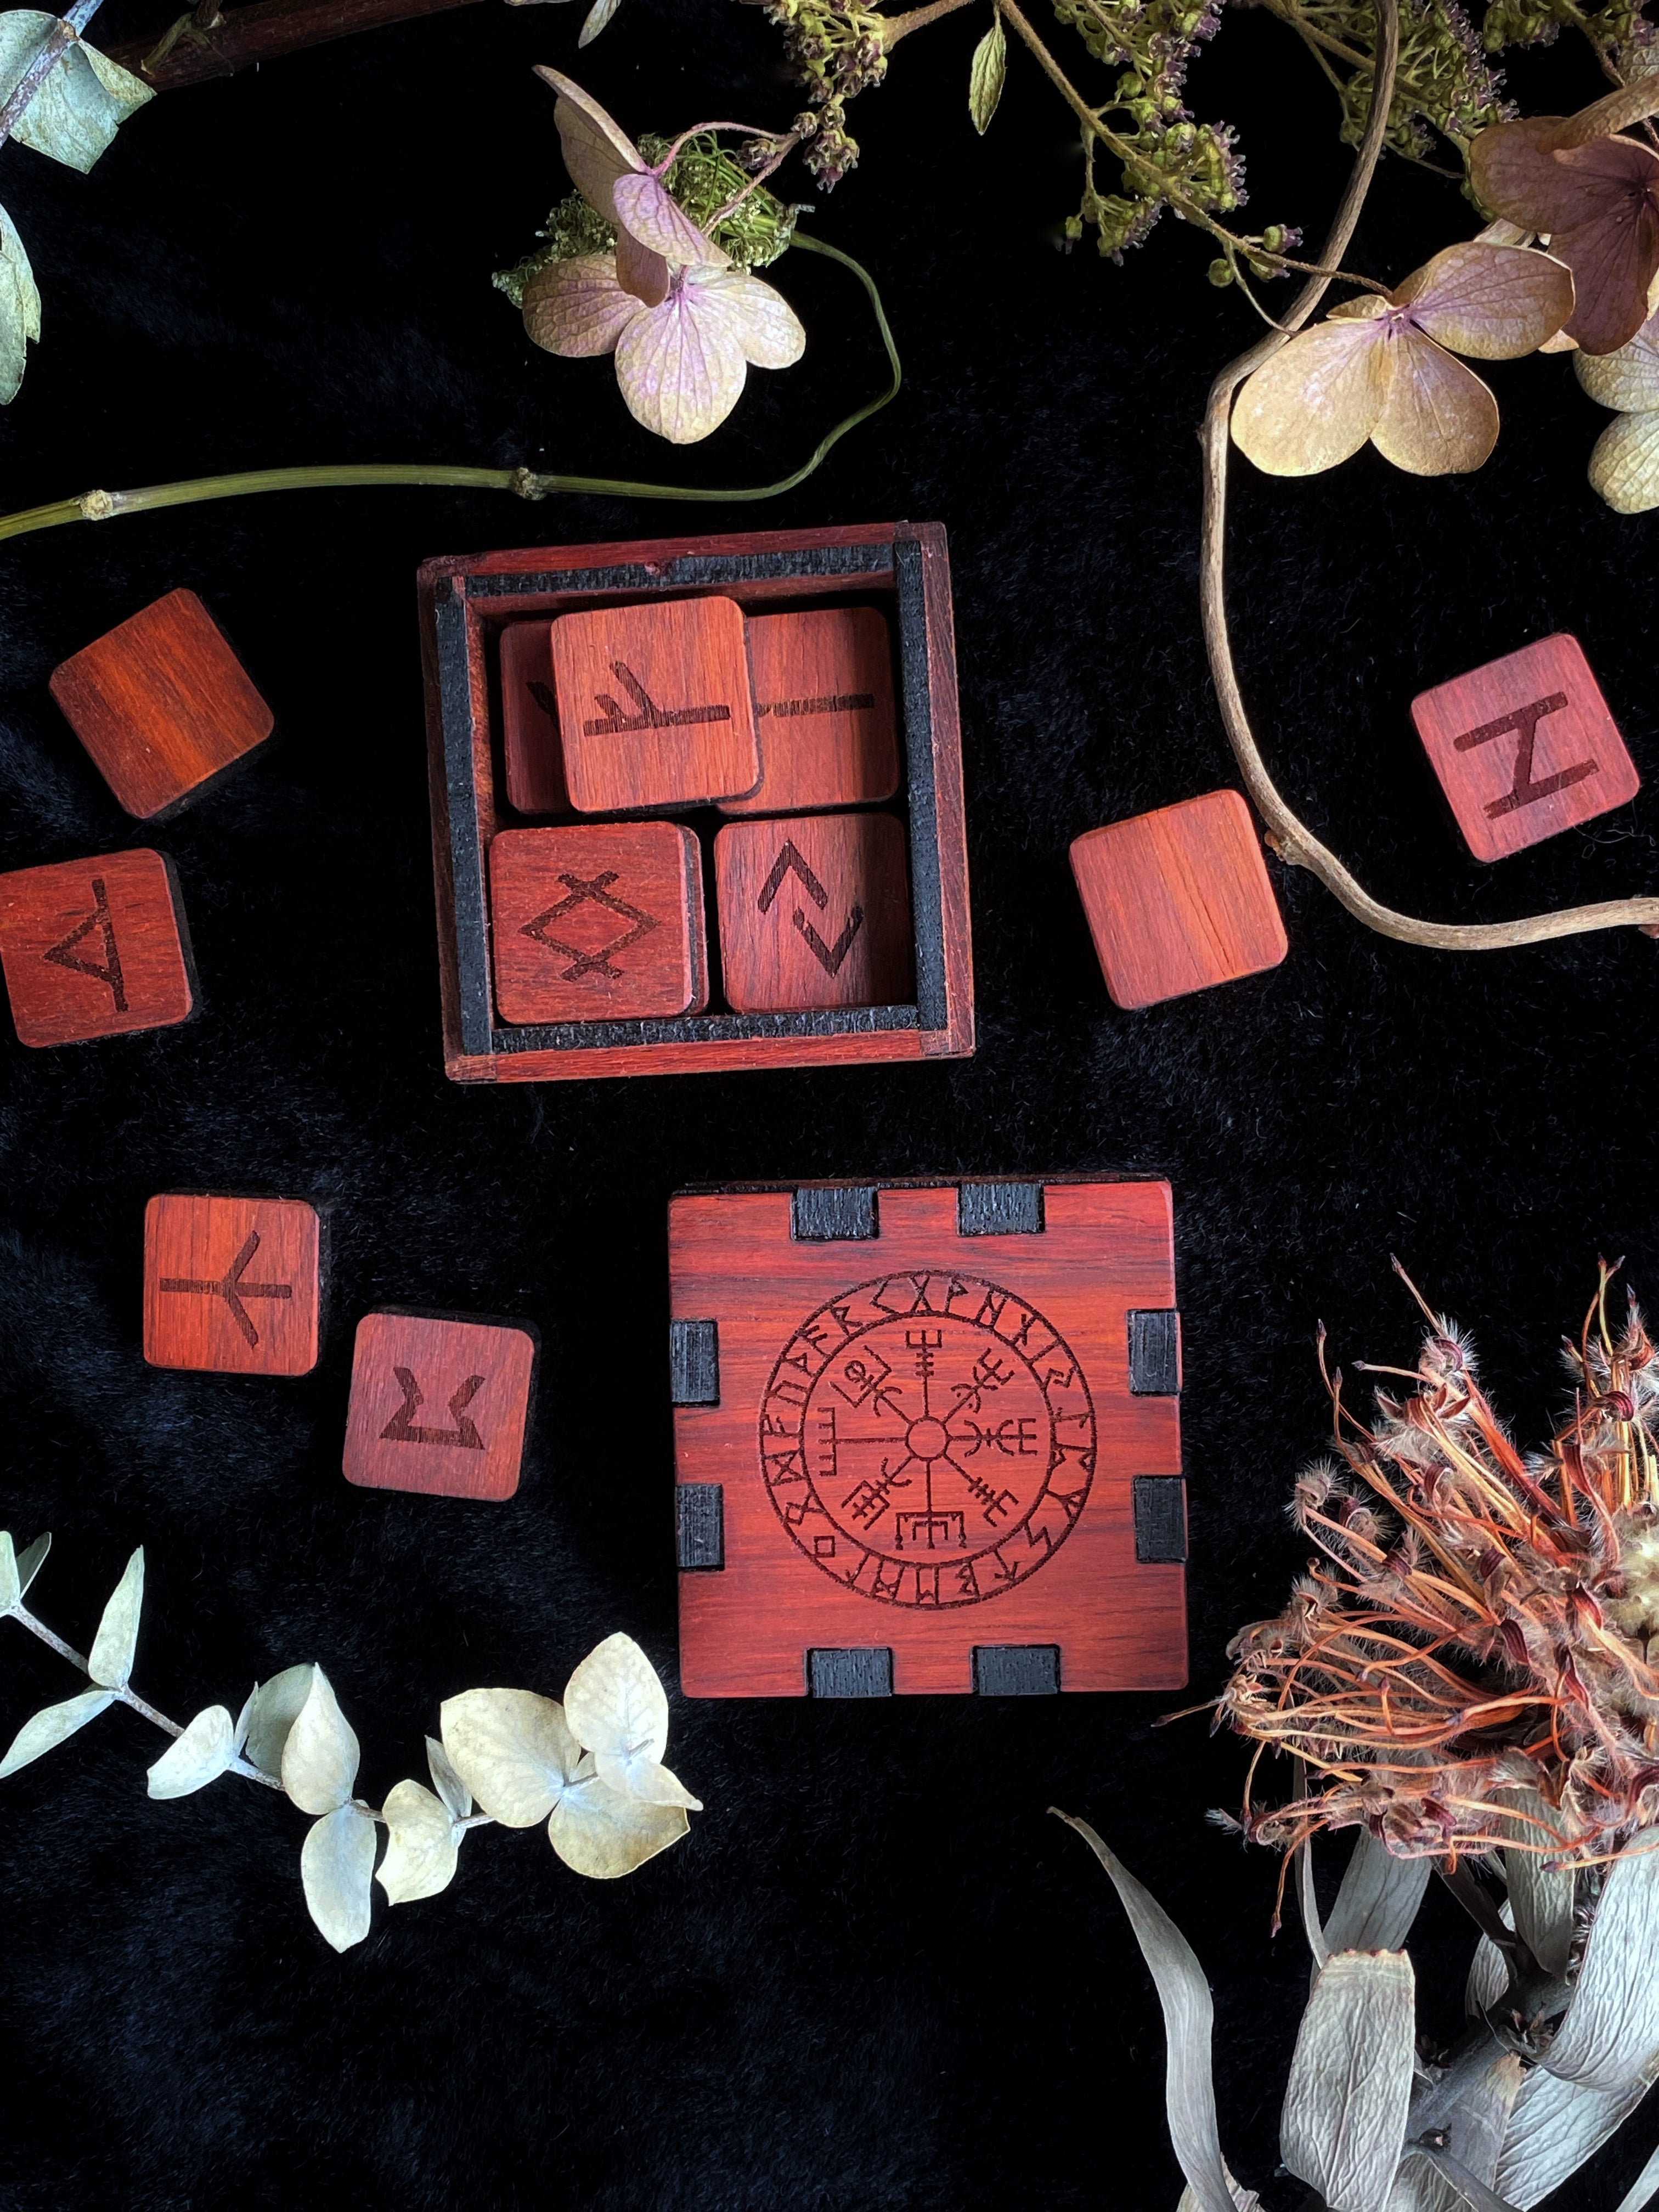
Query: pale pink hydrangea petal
x,y
1438,419
1317,401
597,151
639,270
1628,380
766,325
645,206
681,372
1492,302
577,307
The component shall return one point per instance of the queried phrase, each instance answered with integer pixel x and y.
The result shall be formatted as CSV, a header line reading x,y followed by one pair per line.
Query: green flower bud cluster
x,y
1620,34
836,49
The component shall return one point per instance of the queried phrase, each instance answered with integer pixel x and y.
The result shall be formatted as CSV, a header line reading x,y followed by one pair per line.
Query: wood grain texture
x,y
93,948
232,1285
438,1405
823,682
907,565
1525,747
532,753
654,705
161,703
1178,899
814,911
597,920
926,1443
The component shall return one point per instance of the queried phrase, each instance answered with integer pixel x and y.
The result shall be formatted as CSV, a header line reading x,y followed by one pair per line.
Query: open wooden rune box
x,y
697,804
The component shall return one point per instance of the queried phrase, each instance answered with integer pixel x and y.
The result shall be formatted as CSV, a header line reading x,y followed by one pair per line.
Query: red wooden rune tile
x,y
93,948
530,721
161,703
927,1458
232,1284
1525,747
814,911
438,1405
824,702
654,706
1178,899
598,921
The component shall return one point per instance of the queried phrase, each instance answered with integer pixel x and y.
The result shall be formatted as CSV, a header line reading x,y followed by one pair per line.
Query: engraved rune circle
x,y
927,1439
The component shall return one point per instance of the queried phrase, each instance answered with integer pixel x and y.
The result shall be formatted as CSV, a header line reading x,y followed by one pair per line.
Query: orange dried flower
x,y
1469,1662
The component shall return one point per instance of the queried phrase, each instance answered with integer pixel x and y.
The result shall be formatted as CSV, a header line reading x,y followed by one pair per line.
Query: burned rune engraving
x,y
837,702
790,862
61,955
583,890
398,1430
234,1289
647,715
1523,723
927,1439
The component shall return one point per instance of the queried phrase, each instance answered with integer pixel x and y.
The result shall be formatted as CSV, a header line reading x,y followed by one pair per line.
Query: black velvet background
x,y
876,1975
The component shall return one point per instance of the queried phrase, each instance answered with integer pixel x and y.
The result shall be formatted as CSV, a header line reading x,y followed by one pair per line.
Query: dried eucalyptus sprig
x,y
592,1767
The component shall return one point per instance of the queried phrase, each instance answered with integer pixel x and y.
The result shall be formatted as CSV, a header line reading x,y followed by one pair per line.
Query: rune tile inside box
x,y
1525,747
654,706
232,1285
926,1439
598,921
823,703
438,1405
163,704
1179,899
814,911
533,757
93,948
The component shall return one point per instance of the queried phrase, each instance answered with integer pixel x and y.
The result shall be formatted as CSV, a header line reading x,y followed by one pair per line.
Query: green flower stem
x,y
527,484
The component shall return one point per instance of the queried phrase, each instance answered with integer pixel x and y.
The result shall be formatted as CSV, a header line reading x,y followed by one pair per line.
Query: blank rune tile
x,y
438,1405
814,911
823,706
598,921
1525,747
530,721
93,948
161,703
654,706
1178,899
232,1285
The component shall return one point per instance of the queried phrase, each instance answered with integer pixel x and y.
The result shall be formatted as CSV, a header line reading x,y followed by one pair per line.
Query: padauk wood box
x,y
468,606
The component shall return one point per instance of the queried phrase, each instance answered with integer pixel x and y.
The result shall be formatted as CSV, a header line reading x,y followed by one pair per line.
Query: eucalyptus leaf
x,y
272,1711
447,1783
1610,2035
1188,2014
1379,1898
200,1756
513,1751
646,1779
597,16
244,1719
422,1844
35,1557
320,1757
1343,2126
985,73
336,1865
1554,2128
112,1648
618,1710
11,1587
83,100
51,1726
20,321
604,1833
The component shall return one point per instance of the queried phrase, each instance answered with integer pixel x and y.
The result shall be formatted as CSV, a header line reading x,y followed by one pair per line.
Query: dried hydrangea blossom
x,y
1469,1661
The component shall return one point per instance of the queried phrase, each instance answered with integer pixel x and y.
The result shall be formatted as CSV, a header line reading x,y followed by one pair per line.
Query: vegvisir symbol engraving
x,y
1524,721
61,955
399,1430
232,1288
927,1439
789,862
650,716
596,890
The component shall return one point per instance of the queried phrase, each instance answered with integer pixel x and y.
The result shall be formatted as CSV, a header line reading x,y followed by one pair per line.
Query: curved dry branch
x,y
1289,835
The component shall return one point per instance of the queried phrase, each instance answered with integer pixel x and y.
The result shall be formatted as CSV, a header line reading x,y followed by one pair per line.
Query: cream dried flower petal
x,y
420,1845
513,1751
1623,466
336,1864
768,328
1493,302
604,1833
321,1755
597,150
1439,419
1315,402
681,372
577,307
645,206
1628,380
